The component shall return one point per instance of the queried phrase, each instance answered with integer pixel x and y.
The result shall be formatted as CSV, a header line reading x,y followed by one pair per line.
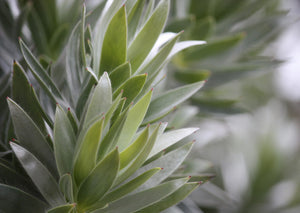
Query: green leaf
x,y
134,119
13,200
64,141
132,87
134,149
120,75
22,94
82,35
165,102
111,111
31,137
39,73
101,99
170,162
73,121
144,198
134,18
99,181
171,199
111,138
114,47
216,47
68,208
192,76
148,35
129,187
85,159
169,138
66,186
41,177
138,160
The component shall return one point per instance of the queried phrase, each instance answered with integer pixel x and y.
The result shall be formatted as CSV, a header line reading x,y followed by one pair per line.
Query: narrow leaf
x,y
120,75
64,141
133,121
114,47
146,40
165,102
171,199
101,99
99,181
39,73
85,159
144,198
134,18
132,87
31,137
35,169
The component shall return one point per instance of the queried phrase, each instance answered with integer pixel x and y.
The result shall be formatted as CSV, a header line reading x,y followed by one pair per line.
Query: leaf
x,y
111,138
168,100
66,186
170,162
114,47
99,181
120,75
171,199
14,200
134,149
101,99
64,142
145,39
132,87
192,76
73,121
86,157
41,177
68,208
22,94
135,117
39,73
31,137
169,138
130,186
139,160
134,18
144,198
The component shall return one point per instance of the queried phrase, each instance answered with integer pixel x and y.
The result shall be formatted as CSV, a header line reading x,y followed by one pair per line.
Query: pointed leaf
x,y
165,102
66,186
155,24
133,121
139,160
85,159
39,73
171,199
101,99
31,137
14,200
144,198
130,186
134,149
68,208
119,75
64,142
170,162
99,181
114,47
22,95
170,138
41,177
134,18
132,87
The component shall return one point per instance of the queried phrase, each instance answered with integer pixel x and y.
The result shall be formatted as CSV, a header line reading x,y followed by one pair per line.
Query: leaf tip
x,y
200,182
152,89
69,109
189,177
161,168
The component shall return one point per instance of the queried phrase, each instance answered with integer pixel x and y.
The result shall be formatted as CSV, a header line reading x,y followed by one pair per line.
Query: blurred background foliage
x,y
249,135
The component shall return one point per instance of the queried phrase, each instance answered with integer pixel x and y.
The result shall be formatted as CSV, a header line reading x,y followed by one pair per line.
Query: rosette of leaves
x,y
237,35
88,136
